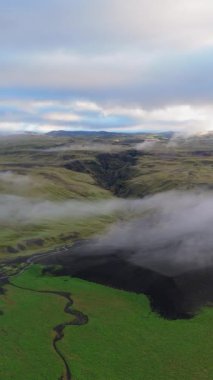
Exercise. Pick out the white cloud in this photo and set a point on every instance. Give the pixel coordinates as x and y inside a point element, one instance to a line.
<point>62,116</point>
<point>87,106</point>
<point>46,116</point>
<point>67,70</point>
<point>165,23</point>
<point>107,24</point>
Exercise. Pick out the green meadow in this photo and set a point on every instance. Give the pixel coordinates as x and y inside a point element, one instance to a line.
<point>123,338</point>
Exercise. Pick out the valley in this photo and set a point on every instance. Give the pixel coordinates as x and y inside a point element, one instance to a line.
<point>99,245</point>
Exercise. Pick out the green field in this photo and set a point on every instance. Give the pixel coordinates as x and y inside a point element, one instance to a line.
<point>122,340</point>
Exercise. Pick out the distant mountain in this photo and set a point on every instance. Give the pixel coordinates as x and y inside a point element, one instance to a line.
<point>81,133</point>
<point>63,133</point>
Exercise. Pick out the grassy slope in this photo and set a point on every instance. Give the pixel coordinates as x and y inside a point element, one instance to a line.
<point>156,173</point>
<point>47,179</point>
<point>123,339</point>
<point>55,183</point>
<point>52,234</point>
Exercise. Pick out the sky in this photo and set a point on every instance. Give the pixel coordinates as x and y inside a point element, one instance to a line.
<point>114,65</point>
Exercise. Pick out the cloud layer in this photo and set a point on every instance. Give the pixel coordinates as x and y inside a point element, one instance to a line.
<point>144,55</point>
<point>44,116</point>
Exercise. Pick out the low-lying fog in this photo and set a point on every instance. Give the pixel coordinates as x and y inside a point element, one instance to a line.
<point>175,235</point>
<point>15,179</point>
<point>171,232</point>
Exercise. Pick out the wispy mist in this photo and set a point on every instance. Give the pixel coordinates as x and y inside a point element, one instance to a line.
<point>169,232</point>
<point>146,145</point>
<point>18,209</point>
<point>15,179</point>
<point>174,235</point>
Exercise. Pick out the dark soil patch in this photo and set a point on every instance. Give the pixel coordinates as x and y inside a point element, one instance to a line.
<point>38,242</point>
<point>11,249</point>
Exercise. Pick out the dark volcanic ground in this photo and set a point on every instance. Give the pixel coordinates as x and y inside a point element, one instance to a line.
<point>173,297</point>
